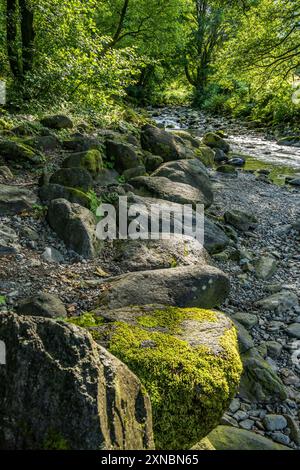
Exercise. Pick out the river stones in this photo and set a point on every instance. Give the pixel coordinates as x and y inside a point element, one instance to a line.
<point>188,361</point>
<point>192,286</point>
<point>60,390</point>
<point>191,172</point>
<point>293,330</point>
<point>229,438</point>
<point>76,226</point>
<point>163,188</point>
<point>15,199</point>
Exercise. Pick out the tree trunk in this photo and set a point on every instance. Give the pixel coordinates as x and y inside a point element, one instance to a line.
<point>28,35</point>
<point>12,32</point>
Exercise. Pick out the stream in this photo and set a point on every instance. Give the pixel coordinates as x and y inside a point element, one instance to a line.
<point>261,152</point>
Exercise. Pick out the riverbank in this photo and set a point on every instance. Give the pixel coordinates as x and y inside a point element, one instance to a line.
<point>260,257</point>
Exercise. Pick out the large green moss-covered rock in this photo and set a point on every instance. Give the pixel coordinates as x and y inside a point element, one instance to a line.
<point>49,192</point>
<point>206,155</point>
<point>215,141</point>
<point>90,160</point>
<point>188,361</point>
<point>229,438</point>
<point>15,151</point>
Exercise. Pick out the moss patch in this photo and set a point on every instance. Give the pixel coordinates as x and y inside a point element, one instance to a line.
<point>171,318</point>
<point>189,387</point>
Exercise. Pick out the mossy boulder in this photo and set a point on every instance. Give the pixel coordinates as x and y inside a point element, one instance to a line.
<point>206,155</point>
<point>215,141</point>
<point>90,160</point>
<point>134,172</point>
<point>49,192</point>
<point>12,150</point>
<point>187,360</point>
<point>229,438</point>
<point>43,142</point>
<point>152,162</point>
<point>58,122</point>
<point>73,178</point>
<point>259,381</point>
<point>124,156</point>
<point>187,137</point>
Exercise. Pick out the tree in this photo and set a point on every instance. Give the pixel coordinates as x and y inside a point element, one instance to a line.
<point>20,37</point>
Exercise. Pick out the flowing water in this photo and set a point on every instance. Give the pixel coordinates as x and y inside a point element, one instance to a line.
<point>261,152</point>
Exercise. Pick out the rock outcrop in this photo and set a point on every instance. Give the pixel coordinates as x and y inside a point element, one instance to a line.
<point>60,390</point>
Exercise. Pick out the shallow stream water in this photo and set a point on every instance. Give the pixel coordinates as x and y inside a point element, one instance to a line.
<point>261,152</point>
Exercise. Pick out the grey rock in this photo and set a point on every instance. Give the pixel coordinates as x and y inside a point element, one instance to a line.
<point>293,330</point>
<point>152,162</point>
<point>274,422</point>
<point>73,178</point>
<point>265,267</point>
<point>281,438</point>
<point>192,286</point>
<point>161,143</point>
<point>274,349</point>
<point>235,405</point>
<point>229,438</point>
<point>248,320</point>
<point>15,199</point>
<point>134,172</point>
<point>240,220</point>
<point>163,188</point>
<point>244,338</point>
<point>58,383</point>
<point>191,172</point>
<point>51,255</point>
<point>215,141</point>
<point>76,226</point>
<point>42,305</point>
<point>247,424</point>
<point>259,382</point>
<point>215,240</point>
<point>142,255</point>
<point>280,302</point>
<point>124,155</point>
<point>7,234</point>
